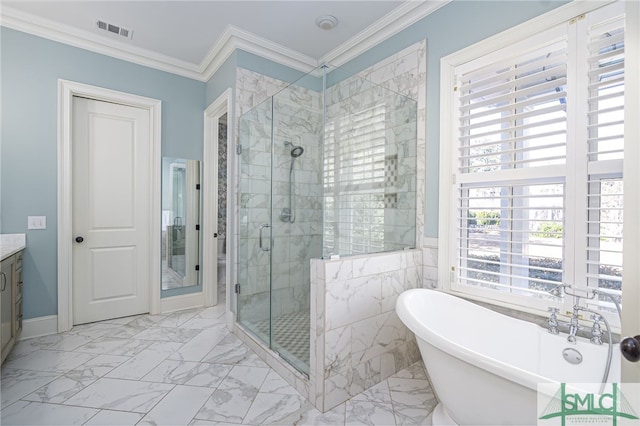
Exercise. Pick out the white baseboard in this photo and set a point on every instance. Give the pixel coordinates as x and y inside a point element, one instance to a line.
<point>179,303</point>
<point>40,326</point>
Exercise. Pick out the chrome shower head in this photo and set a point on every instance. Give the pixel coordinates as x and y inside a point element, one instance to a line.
<point>296,150</point>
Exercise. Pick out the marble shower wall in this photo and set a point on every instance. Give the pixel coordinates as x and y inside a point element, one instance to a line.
<point>357,338</point>
<point>406,73</point>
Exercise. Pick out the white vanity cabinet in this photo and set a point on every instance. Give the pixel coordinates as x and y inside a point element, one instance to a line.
<point>10,301</point>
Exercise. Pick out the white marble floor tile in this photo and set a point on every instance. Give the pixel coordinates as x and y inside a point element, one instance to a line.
<point>378,393</point>
<point>125,331</point>
<point>143,362</point>
<point>312,416</point>
<point>114,418</point>
<point>25,347</point>
<point>17,384</point>
<point>199,422</point>
<point>201,344</point>
<point>115,346</point>
<point>93,330</point>
<point>233,398</point>
<point>412,415</point>
<point>200,323</point>
<point>412,392</point>
<point>146,321</point>
<point>369,413</point>
<point>268,408</point>
<point>177,319</point>
<point>182,368</point>
<point>215,312</point>
<point>37,413</point>
<point>60,389</point>
<point>77,379</point>
<point>59,342</point>
<point>189,373</point>
<point>414,371</point>
<point>122,395</point>
<point>47,360</point>
<point>232,350</point>
<point>178,407</point>
<point>165,334</point>
<point>227,406</point>
<point>413,400</point>
<point>276,384</point>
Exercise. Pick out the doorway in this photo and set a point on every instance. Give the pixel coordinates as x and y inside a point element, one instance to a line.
<point>113,277</point>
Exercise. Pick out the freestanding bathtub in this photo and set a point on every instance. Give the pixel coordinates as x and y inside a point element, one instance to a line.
<point>484,366</point>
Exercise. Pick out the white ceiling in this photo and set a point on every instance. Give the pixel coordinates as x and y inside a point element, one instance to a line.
<point>188,30</point>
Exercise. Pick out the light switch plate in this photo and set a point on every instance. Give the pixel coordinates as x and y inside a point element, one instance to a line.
<point>37,222</point>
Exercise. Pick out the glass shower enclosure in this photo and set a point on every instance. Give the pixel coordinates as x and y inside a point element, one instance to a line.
<point>327,167</point>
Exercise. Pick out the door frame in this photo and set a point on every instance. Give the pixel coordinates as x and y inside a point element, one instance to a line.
<point>631,237</point>
<point>66,91</point>
<point>212,114</point>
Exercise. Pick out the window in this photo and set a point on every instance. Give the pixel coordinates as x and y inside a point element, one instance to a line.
<point>531,191</point>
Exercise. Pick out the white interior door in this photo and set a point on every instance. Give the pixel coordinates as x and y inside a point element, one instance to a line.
<point>111,210</point>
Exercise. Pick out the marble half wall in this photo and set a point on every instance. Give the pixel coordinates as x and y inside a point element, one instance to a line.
<point>357,339</point>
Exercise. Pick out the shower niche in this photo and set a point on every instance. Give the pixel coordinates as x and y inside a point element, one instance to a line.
<point>327,170</point>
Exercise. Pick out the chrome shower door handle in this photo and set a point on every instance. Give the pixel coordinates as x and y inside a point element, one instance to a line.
<point>266,225</point>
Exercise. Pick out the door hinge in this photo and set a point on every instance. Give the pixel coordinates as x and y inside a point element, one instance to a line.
<point>197,267</point>
<point>215,235</point>
<point>197,186</point>
<point>237,288</point>
<point>197,227</point>
<point>238,149</point>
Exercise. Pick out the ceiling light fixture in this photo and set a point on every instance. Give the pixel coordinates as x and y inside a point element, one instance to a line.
<point>326,22</point>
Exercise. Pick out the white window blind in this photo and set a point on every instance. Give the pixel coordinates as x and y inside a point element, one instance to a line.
<point>513,112</point>
<point>354,180</point>
<point>537,164</point>
<point>605,150</point>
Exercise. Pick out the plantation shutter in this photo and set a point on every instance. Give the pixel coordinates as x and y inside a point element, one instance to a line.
<point>539,155</point>
<point>605,150</point>
<point>511,150</point>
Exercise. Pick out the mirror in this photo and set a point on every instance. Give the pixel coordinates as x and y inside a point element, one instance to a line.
<point>180,222</point>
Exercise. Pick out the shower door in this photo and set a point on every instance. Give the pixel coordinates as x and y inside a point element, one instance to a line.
<point>254,202</point>
<point>280,214</point>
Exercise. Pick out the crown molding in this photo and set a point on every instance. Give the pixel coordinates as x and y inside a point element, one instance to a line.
<point>31,24</point>
<point>236,38</point>
<point>392,23</point>
<point>231,39</point>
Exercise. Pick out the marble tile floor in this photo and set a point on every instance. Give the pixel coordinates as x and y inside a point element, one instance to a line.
<point>183,368</point>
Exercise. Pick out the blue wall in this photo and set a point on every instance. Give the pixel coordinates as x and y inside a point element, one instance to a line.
<point>30,69</point>
<point>31,66</point>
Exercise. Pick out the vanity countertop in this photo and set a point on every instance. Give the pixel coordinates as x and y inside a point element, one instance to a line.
<point>10,244</point>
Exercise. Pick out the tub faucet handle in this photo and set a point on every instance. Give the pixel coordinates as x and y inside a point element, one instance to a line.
<point>596,330</point>
<point>553,321</point>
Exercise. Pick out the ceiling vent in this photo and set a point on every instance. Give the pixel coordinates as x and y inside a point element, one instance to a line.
<point>114,29</point>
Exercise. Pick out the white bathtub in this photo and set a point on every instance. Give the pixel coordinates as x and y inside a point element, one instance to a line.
<point>484,366</point>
